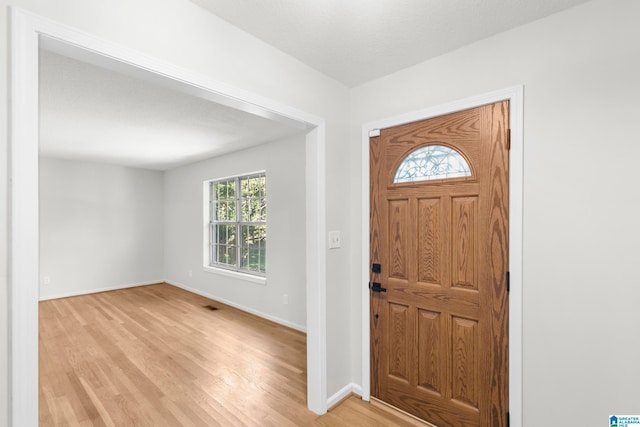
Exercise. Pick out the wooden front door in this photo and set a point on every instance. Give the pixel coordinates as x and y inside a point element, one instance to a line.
<point>439,253</point>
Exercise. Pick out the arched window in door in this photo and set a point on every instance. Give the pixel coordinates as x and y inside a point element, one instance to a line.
<point>432,162</point>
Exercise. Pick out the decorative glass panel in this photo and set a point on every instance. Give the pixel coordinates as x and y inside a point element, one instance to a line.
<point>432,162</point>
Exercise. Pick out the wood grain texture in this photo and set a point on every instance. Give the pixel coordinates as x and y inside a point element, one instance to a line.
<point>431,350</point>
<point>399,357</point>
<point>156,356</point>
<point>451,237</point>
<point>430,240</point>
<point>465,361</point>
<point>376,303</point>
<point>464,242</point>
<point>399,240</point>
<point>496,208</point>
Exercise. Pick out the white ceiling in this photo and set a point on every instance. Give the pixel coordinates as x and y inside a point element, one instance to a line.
<point>355,41</point>
<point>90,113</point>
<point>94,114</point>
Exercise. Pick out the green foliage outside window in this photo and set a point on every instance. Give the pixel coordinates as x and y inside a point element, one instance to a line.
<point>238,237</point>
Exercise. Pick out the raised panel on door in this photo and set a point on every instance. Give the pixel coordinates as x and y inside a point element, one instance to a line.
<point>431,351</point>
<point>464,242</point>
<point>399,342</point>
<point>465,361</point>
<point>430,241</point>
<point>398,235</point>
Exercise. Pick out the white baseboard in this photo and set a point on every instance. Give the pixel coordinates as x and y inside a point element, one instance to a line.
<point>98,290</point>
<point>239,306</point>
<point>344,392</point>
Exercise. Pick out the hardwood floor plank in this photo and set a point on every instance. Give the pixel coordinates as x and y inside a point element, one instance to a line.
<point>156,356</point>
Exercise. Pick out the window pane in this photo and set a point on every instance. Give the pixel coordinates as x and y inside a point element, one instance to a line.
<point>254,247</point>
<point>220,235</point>
<point>253,236</point>
<point>254,199</point>
<point>246,210</point>
<point>224,205</point>
<point>220,211</point>
<point>251,259</point>
<point>253,187</point>
<point>244,262</point>
<point>263,186</point>
<point>226,254</point>
<point>432,162</point>
<point>254,210</point>
<point>225,234</point>
<point>231,210</point>
<point>220,191</point>
<point>254,259</point>
<point>221,251</point>
<point>223,192</point>
<point>231,255</point>
<point>226,244</point>
<point>263,258</point>
<point>229,190</point>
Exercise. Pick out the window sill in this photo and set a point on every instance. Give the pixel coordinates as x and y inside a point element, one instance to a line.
<point>236,275</point>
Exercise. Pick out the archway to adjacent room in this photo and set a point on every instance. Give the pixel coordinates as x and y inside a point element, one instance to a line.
<point>28,33</point>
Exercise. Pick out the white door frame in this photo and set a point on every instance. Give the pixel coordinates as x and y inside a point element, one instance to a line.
<point>516,97</point>
<point>28,31</point>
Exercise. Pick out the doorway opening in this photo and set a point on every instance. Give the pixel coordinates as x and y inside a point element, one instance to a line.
<point>27,33</point>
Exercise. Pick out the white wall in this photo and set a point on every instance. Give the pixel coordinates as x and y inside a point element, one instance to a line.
<point>581,288</point>
<point>284,163</point>
<point>4,224</point>
<point>101,227</point>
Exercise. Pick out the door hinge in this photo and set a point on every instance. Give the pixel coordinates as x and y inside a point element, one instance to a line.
<point>374,132</point>
<point>508,139</point>
<point>508,419</point>
<point>508,282</point>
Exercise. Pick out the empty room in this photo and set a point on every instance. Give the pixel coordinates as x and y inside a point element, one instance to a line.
<point>130,173</point>
<point>331,213</point>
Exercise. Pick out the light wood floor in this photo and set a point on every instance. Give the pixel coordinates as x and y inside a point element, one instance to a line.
<point>157,356</point>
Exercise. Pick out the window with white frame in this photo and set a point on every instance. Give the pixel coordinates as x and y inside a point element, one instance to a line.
<point>238,223</point>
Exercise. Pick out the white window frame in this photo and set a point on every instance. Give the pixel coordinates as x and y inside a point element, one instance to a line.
<point>210,263</point>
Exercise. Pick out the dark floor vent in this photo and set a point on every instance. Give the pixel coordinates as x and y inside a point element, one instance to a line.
<point>210,307</point>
